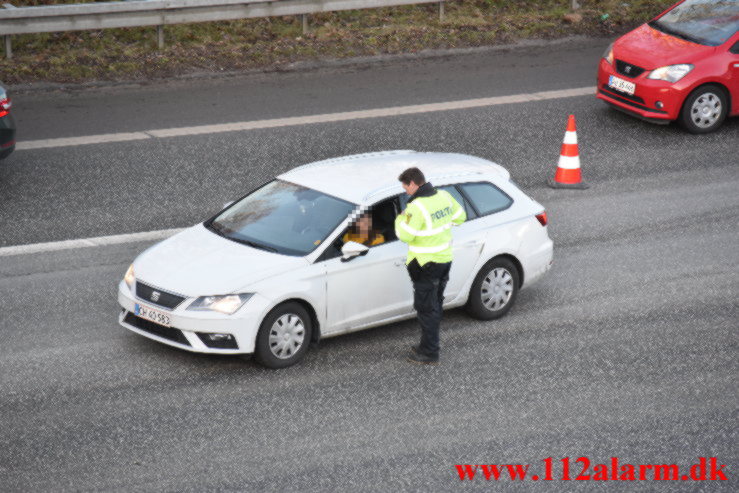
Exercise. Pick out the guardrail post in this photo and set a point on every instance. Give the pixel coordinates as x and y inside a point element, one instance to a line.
<point>8,47</point>
<point>441,11</point>
<point>304,19</point>
<point>160,37</point>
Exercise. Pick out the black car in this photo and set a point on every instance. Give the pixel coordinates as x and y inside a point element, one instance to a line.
<point>7,125</point>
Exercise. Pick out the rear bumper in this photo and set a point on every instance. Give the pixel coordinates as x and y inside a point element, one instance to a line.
<point>538,263</point>
<point>7,136</point>
<point>7,151</point>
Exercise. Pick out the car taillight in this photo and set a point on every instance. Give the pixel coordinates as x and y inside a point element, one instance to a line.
<point>5,105</point>
<point>542,218</point>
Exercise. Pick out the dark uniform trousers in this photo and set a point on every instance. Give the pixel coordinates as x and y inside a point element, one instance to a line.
<point>429,282</point>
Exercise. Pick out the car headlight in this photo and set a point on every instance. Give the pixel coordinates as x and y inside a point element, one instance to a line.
<point>608,54</point>
<point>129,277</point>
<point>671,73</point>
<point>227,304</point>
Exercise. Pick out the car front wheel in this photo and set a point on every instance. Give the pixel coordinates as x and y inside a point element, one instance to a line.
<point>284,336</point>
<point>494,290</point>
<point>704,109</point>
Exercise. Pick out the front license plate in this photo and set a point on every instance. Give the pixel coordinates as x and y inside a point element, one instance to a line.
<point>622,85</point>
<point>154,315</point>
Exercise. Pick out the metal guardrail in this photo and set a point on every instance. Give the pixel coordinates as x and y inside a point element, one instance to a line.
<point>159,13</point>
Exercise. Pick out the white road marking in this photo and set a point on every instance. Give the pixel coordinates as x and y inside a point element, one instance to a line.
<point>304,120</point>
<point>251,125</point>
<point>78,141</point>
<point>54,246</point>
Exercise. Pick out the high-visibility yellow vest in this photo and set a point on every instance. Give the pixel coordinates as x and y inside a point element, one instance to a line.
<point>426,226</point>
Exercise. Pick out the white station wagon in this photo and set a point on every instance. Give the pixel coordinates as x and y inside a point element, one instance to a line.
<point>271,272</point>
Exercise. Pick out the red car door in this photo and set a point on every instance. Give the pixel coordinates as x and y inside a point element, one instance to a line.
<point>732,60</point>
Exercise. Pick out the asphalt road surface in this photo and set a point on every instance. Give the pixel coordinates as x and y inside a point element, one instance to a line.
<point>627,349</point>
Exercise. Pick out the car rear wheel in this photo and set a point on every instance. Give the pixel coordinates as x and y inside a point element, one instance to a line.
<point>284,336</point>
<point>704,109</point>
<point>494,290</point>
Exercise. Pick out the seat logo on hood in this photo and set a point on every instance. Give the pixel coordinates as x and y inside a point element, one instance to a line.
<point>155,296</point>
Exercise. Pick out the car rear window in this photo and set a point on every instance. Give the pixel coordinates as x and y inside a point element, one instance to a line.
<point>487,198</point>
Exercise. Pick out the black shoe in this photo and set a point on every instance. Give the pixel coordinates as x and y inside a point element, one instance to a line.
<point>423,359</point>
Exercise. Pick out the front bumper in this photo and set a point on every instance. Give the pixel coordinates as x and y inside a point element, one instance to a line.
<point>644,102</point>
<point>188,328</point>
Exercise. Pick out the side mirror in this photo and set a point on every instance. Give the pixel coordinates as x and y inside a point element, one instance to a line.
<point>227,204</point>
<point>352,249</point>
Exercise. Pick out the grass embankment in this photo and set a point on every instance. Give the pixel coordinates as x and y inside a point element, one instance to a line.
<point>131,53</point>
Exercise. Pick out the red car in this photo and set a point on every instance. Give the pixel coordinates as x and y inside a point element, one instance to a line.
<point>683,65</point>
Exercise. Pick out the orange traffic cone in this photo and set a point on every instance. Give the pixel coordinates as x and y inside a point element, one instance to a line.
<point>568,173</point>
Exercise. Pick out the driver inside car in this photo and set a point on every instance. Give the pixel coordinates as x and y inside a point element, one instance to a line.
<point>363,232</point>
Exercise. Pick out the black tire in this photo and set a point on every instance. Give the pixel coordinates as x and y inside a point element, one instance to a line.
<point>508,277</point>
<point>704,99</point>
<point>268,352</point>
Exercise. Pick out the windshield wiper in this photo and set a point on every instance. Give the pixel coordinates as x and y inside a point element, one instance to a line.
<point>254,244</point>
<point>217,229</point>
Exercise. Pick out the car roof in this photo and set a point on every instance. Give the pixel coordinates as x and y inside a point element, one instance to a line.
<point>359,177</point>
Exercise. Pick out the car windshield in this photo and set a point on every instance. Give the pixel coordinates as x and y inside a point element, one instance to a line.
<point>707,22</point>
<point>282,217</point>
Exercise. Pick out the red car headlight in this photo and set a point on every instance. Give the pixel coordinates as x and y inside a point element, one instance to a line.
<point>671,73</point>
<point>608,54</point>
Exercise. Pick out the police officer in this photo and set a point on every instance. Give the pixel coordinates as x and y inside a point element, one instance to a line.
<point>426,225</point>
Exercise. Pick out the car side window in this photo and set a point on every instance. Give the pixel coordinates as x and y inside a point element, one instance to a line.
<point>735,49</point>
<point>486,198</point>
<point>471,214</point>
<point>452,189</point>
<point>382,228</point>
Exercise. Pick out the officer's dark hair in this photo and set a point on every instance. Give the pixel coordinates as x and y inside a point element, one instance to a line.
<point>414,175</point>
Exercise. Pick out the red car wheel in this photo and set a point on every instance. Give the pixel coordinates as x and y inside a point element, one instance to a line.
<point>704,109</point>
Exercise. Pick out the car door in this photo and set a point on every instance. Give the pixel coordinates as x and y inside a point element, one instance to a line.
<point>369,288</point>
<point>467,242</point>
<point>733,59</point>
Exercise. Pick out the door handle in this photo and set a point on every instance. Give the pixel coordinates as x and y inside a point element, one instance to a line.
<point>398,263</point>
